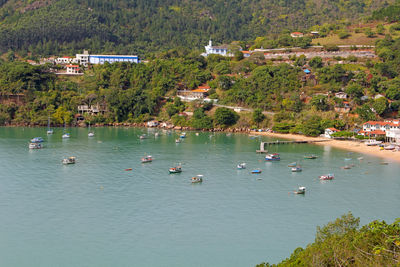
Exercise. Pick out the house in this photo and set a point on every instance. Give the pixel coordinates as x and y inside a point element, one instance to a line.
<point>222,50</point>
<point>297,34</point>
<point>73,69</point>
<point>198,93</point>
<point>153,123</point>
<point>101,59</point>
<point>315,34</point>
<point>64,60</point>
<point>380,128</point>
<point>92,109</point>
<point>345,108</point>
<point>307,71</point>
<point>246,53</point>
<point>341,95</point>
<point>330,131</point>
<point>393,135</point>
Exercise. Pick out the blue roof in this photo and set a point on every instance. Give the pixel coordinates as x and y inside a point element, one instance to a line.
<point>307,71</point>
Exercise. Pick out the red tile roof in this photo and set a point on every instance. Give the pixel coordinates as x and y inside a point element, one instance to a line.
<point>333,129</point>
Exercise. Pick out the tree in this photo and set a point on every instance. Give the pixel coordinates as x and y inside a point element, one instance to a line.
<point>238,55</point>
<point>225,117</point>
<point>380,105</point>
<point>258,116</point>
<point>316,62</point>
<point>320,102</point>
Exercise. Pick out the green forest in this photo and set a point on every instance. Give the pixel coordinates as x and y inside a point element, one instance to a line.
<point>344,243</point>
<point>51,27</point>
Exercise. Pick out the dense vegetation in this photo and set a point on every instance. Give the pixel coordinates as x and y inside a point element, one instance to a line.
<point>344,243</point>
<point>49,27</point>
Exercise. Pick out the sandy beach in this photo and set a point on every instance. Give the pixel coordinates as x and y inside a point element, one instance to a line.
<point>347,145</point>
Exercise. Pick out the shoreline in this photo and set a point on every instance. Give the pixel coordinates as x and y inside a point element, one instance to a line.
<point>345,145</point>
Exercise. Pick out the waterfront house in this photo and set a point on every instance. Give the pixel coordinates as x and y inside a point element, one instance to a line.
<point>329,131</point>
<point>386,128</point>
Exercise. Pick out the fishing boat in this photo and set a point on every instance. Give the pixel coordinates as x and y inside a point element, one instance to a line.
<point>49,131</point>
<point>37,140</point>
<point>389,147</point>
<point>241,166</point>
<point>35,146</point>
<point>256,171</point>
<point>177,169</point>
<point>300,191</point>
<point>373,143</point>
<point>70,160</point>
<point>272,157</point>
<point>90,134</point>
<point>147,159</point>
<point>297,169</point>
<point>310,157</point>
<point>183,135</point>
<point>177,141</point>
<point>197,179</point>
<point>327,177</point>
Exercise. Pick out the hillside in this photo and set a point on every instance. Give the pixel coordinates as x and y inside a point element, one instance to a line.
<point>140,26</point>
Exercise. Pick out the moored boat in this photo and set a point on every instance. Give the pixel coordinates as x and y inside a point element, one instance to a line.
<point>183,135</point>
<point>37,140</point>
<point>347,167</point>
<point>389,147</point>
<point>197,179</point>
<point>66,135</point>
<point>327,177</point>
<point>293,164</point>
<point>91,134</point>
<point>70,160</point>
<point>147,158</point>
<point>300,191</point>
<point>143,136</point>
<point>272,157</point>
<point>297,169</point>
<point>241,166</point>
<point>177,169</point>
<point>177,140</point>
<point>310,157</point>
<point>35,145</point>
<point>373,143</point>
<point>256,171</point>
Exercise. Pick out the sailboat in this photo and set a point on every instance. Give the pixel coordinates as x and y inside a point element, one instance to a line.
<point>49,131</point>
<point>90,134</point>
<point>65,135</point>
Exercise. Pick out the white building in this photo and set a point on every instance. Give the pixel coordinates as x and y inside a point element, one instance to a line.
<point>222,50</point>
<point>341,95</point>
<point>64,60</point>
<point>83,59</point>
<point>73,69</point>
<point>330,131</point>
<point>393,135</point>
<point>380,128</point>
<point>101,59</point>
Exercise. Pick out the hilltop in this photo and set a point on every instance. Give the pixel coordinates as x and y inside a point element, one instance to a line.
<point>141,26</point>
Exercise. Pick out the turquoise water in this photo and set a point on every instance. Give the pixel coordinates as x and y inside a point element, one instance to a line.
<point>94,213</point>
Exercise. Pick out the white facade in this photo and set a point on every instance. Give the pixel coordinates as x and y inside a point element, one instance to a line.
<point>341,95</point>
<point>329,131</point>
<point>217,50</point>
<point>101,59</point>
<point>73,69</point>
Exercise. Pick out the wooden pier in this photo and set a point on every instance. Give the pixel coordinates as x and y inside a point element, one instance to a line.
<point>279,142</point>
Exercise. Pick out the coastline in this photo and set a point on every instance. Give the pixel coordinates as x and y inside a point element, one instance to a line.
<point>345,144</point>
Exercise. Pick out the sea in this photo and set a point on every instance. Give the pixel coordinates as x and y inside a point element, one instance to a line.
<point>97,213</point>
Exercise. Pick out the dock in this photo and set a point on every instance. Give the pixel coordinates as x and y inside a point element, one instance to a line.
<point>279,142</point>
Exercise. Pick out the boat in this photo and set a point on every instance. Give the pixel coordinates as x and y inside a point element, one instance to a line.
<point>177,141</point>
<point>389,147</point>
<point>241,166</point>
<point>347,159</point>
<point>147,159</point>
<point>297,169</point>
<point>35,146</point>
<point>256,171</point>
<point>177,169</point>
<point>70,160</point>
<point>66,135</point>
<point>49,131</point>
<point>293,164</point>
<point>327,177</point>
<point>90,134</point>
<point>197,134</point>
<point>183,135</point>
<point>156,134</point>
<point>360,158</point>
<point>143,136</point>
<point>347,167</point>
<point>272,157</point>
<point>197,179</point>
<point>373,143</point>
<point>300,191</point>
<point>37,140</point>
<point>129,169</point>
<point>311,157</point>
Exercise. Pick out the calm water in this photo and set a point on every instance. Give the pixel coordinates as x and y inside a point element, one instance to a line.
<point>94,213</point>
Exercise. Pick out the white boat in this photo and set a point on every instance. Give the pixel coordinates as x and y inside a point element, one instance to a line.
<point>389,147</point>
<point>70,160</point>
<point>147,159</point>
<point>293,164</point>
<point>66,135</point>
<point>197,134</point>
<point>297,169</point>
<point>35,146</point>
<point>49,131</point>
<point>183,135</point>
<point>373,143</point>
<point>143,136</point>
<point>241,166</point>
<point>90,134</point>
<point>327,177</point>
<point>156,135</point>
<point>37,140</point>
<point>301,190</point>
<point>177,140</point>
<point>272,157</point>
<point>197,179</point>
